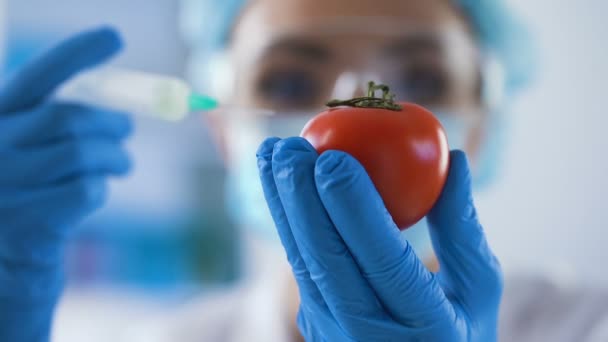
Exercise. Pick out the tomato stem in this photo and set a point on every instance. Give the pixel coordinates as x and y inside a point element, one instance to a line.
<point>387,101</point>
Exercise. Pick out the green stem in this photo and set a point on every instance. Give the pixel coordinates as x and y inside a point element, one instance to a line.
<point>387,101</point>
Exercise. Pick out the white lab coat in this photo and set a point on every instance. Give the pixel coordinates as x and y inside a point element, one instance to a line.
<point>532,309</point>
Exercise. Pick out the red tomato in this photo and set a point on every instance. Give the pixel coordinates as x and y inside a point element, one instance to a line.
<point>404,152</point>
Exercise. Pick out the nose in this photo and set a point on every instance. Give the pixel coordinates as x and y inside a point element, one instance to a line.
<point>346,86</point>
<point>360,91</point>
<point>350,85</point>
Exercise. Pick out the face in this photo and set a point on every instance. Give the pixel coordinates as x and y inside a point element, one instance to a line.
<point>292,56</point>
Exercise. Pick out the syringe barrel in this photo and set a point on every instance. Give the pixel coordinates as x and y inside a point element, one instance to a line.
<point>131,91</point>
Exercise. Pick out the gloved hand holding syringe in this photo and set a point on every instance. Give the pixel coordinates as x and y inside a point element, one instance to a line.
<point>164,97</point>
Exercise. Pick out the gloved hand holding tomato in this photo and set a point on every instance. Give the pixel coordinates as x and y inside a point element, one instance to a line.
<point>358,279</point>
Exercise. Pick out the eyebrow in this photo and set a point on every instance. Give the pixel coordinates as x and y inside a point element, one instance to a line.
<point>414,45</point>
<point>300,48</point>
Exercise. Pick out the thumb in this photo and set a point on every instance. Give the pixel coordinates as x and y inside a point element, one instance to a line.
<point>37,80</point>
<point>469,271</point>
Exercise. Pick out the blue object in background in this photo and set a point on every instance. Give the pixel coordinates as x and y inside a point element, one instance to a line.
<point>166,254</point>
<point>136,252</point>
<point>156,246</point>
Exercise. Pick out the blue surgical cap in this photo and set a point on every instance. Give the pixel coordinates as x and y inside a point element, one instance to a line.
<point>207,24</point>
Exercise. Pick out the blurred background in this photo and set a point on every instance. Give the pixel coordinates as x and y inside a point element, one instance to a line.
<point>547,213</point>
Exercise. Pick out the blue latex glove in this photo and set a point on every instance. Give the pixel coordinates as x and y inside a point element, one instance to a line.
<point>54,161</point>
<point>358,280</point>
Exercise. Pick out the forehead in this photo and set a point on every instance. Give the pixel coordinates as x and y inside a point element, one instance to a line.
<point>287,14</point>
<point>269,26</point>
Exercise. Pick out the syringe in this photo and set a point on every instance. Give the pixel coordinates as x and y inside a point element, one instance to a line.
<point>137,92</point>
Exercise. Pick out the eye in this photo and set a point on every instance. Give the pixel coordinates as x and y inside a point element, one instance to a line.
<point>423,85</point>
<point>289,89</point>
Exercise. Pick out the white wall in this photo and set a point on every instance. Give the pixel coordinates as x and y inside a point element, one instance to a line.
<point>551,211</point>
<point>149,28</point>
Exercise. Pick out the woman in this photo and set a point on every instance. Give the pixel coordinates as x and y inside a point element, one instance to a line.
<point>458,58</point>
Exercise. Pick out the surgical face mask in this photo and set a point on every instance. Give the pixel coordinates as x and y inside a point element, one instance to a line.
<point>457,128</point>
<point>245,196</point>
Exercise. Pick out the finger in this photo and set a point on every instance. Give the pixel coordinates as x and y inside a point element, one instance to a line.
<point>50,213</point>
<point>68,158</point>
<point>318,326</point>
<point>63,120</point>
<point>469,271</point>
<point>404,286</point>
<point>310,297</point>
<point>308,289</point>
<point>40,78</point>
<point>329,262</point>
